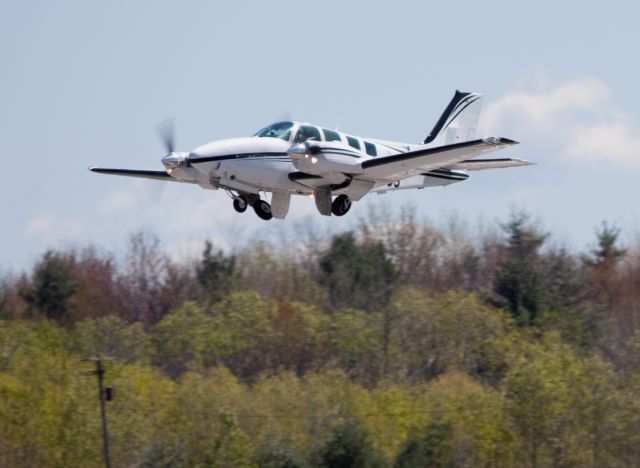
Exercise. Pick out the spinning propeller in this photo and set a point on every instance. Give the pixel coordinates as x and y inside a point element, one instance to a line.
<point>166,132</point>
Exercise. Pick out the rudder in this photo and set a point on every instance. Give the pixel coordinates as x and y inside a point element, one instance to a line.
<point>458,122</point>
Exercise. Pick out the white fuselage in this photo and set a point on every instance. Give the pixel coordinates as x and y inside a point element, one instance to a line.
<point>257,164</point>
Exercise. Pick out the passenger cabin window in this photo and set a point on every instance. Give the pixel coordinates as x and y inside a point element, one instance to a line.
<point>330,135</point>
<point>370,148</point>
<point>305,133</point>
<point>353,142</point>
<point>280,130</point>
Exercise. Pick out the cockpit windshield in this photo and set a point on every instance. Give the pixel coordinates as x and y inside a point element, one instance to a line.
<point>280,130</point>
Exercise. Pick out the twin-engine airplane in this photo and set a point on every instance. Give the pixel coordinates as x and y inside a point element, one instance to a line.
<point>291,158</point>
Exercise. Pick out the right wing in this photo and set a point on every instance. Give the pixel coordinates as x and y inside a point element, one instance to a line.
<point>399,166</point>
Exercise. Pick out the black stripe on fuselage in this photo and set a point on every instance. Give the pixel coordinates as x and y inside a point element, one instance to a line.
<point>342,153</point>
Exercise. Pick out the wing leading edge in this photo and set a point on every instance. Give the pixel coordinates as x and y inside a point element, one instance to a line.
<point>141,174</point>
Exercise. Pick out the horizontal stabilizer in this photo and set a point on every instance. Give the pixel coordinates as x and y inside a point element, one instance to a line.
<point>480,164</point>
<point>156,175</point>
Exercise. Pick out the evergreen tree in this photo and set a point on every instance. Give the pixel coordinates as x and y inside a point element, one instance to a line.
<point>520,282</point>
<point>216,274</point>
<point>607,253</point>
<point>51,287</point>
<point>349,448</point>
<point>358,276</point>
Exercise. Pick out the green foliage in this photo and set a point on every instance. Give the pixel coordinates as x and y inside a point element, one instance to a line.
<point>246,322</point>
<point>451,331</point>
<point>111,336</point>
<point>519,281</point>
<point>607,253</point>
<point>433,449</point>
<point>353,340</point>
<point>186,336</point>
<point>51,288</point>
<point>547,389</point>
<point>216,274</point>
<point>406,345</point>
<point>348,447</point>
<point>357,276</point>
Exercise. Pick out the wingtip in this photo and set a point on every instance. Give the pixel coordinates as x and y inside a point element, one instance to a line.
<point>500,141</point>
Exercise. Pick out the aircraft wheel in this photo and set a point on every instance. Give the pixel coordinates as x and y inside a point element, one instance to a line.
<point>240,204</point>
<point>341,205</point>
<point>262,209</point>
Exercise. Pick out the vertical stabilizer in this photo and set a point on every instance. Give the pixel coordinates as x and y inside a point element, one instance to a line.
<point>458,122</point>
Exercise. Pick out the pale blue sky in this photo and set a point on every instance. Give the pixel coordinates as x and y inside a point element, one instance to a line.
<point>84,83</point>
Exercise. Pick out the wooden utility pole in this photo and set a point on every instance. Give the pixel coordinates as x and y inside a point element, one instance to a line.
<point>102,393</point>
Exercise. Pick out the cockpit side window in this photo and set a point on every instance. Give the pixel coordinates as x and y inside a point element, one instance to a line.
<point>353,142</point>
<point>330,135</point>
<point>305,132</point>
<point>280,130</point>
<point>370,148</point>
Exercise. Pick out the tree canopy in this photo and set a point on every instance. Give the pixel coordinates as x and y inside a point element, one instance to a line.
<point>399,343</point>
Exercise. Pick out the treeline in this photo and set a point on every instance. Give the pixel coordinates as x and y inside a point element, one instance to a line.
<point>399,343</point>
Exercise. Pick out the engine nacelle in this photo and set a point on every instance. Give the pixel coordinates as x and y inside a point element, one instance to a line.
<point>325,157</point>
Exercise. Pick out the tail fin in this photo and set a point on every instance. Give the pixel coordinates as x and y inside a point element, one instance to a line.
<point>459,121</point>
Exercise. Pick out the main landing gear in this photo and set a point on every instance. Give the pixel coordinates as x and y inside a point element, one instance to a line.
<point>261,207</point>
<point>240,204</point>
<point>341,205</point>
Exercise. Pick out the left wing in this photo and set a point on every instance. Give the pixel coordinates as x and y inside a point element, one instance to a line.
<point>399,166</point>
<point>156,175</point>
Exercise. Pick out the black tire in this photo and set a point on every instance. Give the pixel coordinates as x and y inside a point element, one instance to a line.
<point>263,210</point>
<point>240,204</point>
<point>341,205</point>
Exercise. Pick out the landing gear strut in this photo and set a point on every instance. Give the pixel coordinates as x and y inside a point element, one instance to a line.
<point>262,209</point>
<point>340,205</point>
<point>240,204</point>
